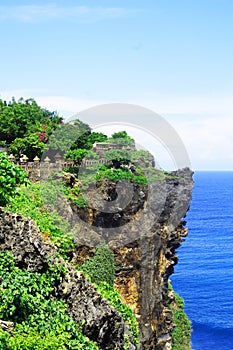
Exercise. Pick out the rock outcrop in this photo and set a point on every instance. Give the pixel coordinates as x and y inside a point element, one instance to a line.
<point>144,236</point>
<point>104,324</point>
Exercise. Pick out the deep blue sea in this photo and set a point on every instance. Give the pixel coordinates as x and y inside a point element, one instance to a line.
<point>204,274</point>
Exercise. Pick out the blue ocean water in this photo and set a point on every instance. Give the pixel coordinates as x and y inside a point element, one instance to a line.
<point>204,274</point>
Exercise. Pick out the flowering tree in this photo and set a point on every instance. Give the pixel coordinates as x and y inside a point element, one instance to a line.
<point>26,126</point>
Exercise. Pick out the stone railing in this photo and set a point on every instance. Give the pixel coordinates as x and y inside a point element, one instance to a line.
<point>6,326</point>
<point>41,170</point>
<point>101,147</point>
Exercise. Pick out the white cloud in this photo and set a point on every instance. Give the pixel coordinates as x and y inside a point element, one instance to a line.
<point>208,140</point>
<point>190,104</point>
<point>38,13</point>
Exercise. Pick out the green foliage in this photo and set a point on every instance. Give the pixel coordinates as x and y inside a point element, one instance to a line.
<point>118,156</point>
<point>2,143</point>
<point>182,332</point>
<point>87,139</point>
<point>40,322</point>
<point>80,201</point>
<point>35,341</point>
<point>120,174</point>
<point>101,267</point>
<point>86,175</point>
<point>33,202</point>
<point>120,135</point>
<point>122,138</point>
<point>78,154</point>
<point>75,196</point>
<point>141,155</point>
<point>66,135</point>
<point>30,145</point>
<point>114,298</point>
<point>85,131</point>
<point>17,119</point>
<point>92,155</point>
<point>11,177</point>
<point>74,136</point>
<point>96,137</point>
<point>127,344</point>
<point>101,270</point>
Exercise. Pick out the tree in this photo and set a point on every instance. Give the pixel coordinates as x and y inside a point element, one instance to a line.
<point>69,136</point>
<point>122,138</point>
<point>19,119</point>
<point>30,145</point>
<point>78,154</point>
<point>96,137</point>
<point>118,156</point>
<point>87,138</point>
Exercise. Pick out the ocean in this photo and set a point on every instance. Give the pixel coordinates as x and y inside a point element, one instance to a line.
<point>204,274</point>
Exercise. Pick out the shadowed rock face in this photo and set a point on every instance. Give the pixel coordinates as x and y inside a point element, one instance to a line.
<point>144,236</point>
<point>149,261</point>
<point>104,324</point>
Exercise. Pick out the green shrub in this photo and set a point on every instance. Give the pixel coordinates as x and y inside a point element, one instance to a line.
<point>127,344</point>
<point>30,145</point>
<point>114,298</point>
<point>101,270</point>
<point>33,202</point>
<point>76,154</point>
<point>75,196</point>
<point>65,136</point>
<point>49,341</point>
<point>120,174</point>
<point>182,332</point>
<point>32,341</point>
<point>141,154</point>
<point>11,176</point>
<point>101,267</point>
<point>41,322</point>
<point>118,155</point>
<point>2,143</point>
<point>121,138</point>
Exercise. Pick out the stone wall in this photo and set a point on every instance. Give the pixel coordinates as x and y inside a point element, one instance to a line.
<point>42,170</point>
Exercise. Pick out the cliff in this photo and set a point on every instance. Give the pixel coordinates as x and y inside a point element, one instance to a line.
<point>143,227</point>
<point>144,237</point>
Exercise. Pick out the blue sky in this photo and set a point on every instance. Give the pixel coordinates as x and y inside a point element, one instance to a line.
<point>174,57</point>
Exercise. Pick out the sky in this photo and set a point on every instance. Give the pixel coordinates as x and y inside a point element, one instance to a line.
<point>174,57</point>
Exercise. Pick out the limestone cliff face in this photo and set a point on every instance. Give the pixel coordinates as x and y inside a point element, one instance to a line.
<point>144,227</point>
<point>144,237</point>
